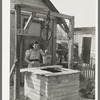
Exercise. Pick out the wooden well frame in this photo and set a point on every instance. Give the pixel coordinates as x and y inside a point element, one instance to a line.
<point>18,36</point>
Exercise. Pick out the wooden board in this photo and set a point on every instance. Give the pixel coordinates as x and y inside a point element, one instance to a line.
<point>66,98</point>
<point>54,35</point>
<point>33,3</point>
<point>44,85</point>
<point>50,95</point>
<point>50,86</point>
<point>39,71</point>
<point>34,91</point>
<point>53,82</point>
<point>70,44</point>
<point>51,91</point>
<point>62,96</point>
<point>34,96</point>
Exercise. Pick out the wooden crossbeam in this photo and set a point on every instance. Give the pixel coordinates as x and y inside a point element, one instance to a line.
<point>12,69</point>
<point>28,23</point>
<point>26,13</point>
<point>41,11</point>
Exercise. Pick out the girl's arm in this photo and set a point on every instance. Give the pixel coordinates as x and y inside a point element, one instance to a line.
<point>43,53</point>
<point>27,54</point>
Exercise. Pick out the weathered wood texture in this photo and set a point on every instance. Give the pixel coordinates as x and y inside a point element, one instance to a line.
<point>59,87</point>
<point>33,3</point>
<point>70,44</point>
<point>54,35</point>
<point>17,54</point>
<point>80,33</point>
<point>45,12</point>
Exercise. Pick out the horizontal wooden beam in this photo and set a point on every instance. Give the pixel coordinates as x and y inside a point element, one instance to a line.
<point>26,13</point>
<point>41,11</point>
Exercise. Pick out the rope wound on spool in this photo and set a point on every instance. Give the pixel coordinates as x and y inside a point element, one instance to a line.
<point>46,32</point>
<point>48,19</point>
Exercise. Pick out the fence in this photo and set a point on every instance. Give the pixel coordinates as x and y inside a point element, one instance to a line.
<point>88,70</point>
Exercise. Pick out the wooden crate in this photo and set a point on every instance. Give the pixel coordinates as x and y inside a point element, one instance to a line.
<point>45,85</point>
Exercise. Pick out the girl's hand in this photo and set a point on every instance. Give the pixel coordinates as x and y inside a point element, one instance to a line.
<point>32,62</point>
<point>46,51</point>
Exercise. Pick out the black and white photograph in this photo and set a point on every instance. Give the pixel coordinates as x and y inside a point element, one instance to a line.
<point>52,50</point>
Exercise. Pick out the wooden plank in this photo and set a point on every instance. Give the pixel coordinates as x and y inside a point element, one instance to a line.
<point>41,11</point>
<point>67,97</point>
<point>12,70</point>
<point>69,77</point>
<point>28,23</point>
<point>49,74</point>
<point>17,56</point>
<point>39,89</point>
<point>62,95</point>
<point>38,68</point>
<point>70,44</point>
<point>34,96</point>
<point>36,2</point>
<point>39,85</point>
<point>35,91</point>
<point>57,81</point>
<point>36,77</point>
<point>21,57</point>
<point>61,73</point>
<point>47,93</point>
<point>87,71</point>
<point>54,35</point>
<point>53,79</point>
<point>51,97</point>
<point>25,13</point>
<point>67,89</point>
<point>52,85</point>
<point>62,78</point>
<point>33,5</point>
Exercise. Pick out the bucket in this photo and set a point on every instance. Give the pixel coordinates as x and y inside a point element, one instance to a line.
<point>47,59</point>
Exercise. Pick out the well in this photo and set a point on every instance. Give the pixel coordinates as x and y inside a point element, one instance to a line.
<point>51,83</point>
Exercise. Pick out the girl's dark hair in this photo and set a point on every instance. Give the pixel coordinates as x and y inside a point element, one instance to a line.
<point>35,42</point>
<point>31,45</point>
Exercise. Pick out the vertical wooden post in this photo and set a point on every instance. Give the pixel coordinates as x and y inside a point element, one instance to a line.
<point>70,44</point>
<point>54,33</point>
<point>17,54</point>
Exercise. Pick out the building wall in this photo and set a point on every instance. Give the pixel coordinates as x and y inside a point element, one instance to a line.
<point>78,38</point>
<point>33,3</point>
<point>93,46</point>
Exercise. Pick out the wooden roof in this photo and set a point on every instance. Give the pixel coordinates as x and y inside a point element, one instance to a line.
<point>85,29</point>
<point>42,4</point>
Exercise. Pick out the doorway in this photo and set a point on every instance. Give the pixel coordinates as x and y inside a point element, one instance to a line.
<point>86,49</point>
